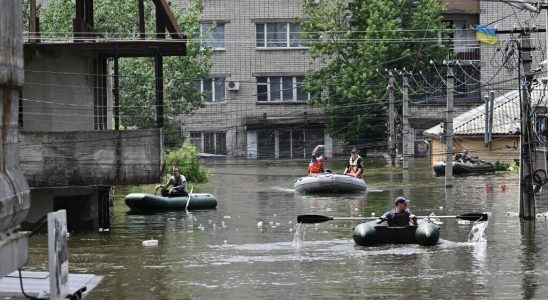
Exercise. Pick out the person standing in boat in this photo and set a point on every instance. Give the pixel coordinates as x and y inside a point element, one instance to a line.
<point>315,166</point>
<point>177,183</point>
<point>400,215</point>
<point>355,165</point>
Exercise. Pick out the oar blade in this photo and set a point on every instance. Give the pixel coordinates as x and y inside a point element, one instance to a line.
<point>312,219</point>
<point>474,217</point>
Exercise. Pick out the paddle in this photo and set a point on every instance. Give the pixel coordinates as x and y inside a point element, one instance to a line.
<point>312,219</point>
<point>188,200</point>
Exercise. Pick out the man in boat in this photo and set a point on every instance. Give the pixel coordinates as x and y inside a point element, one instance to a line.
<point>354,167</point>
<point>400,215</point>
<point>177,183</point>
<point>316,162</point>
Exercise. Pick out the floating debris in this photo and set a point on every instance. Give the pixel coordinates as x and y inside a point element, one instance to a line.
<point>260,224</point>
<point>150,243</point>
<point>226,217</point>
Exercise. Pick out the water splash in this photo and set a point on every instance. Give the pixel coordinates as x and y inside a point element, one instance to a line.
<point>298,236</point>
<point>477,233</point>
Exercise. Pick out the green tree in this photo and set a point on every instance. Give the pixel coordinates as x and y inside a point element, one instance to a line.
<point>187,159</point>
<point>182,74</point>
<point>351,40</point>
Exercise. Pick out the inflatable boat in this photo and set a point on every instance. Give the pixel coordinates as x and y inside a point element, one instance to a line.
<point>149,202</point>
<point>460,168</point>
<point>425,233</point>
<point>330,183</point>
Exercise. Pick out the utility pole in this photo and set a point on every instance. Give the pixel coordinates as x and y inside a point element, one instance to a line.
<point>14,189</point>
<point>391,120</point>
<point>491,113</point>
<point>527,195</point>
<point>486,125</point>
<point>449,127</point>
<point>405,115</point>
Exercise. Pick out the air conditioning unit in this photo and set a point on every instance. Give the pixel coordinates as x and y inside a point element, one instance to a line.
<point>233,85</point>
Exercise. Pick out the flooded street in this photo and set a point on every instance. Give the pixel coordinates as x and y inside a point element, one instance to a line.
<point>250,248</point>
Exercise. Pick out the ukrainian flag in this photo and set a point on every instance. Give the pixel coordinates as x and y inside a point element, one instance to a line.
<point>486,35</point>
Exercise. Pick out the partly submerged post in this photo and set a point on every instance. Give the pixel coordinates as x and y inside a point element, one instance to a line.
<point>449,128</point>
<point>527,194</point>
<point>405,117</point>
<point>14,190</point>
<point>391,121</point>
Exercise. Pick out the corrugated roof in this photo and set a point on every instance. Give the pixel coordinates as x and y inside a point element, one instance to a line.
<point>506,118</point>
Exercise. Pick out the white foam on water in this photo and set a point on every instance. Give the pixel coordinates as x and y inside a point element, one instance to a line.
<point>283,189</point>
<point>298,236</point>
<point>477,233</point>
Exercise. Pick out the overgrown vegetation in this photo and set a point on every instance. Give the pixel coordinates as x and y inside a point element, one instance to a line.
<point>502,166</point>
<point>350,41</point>
<point>187,158</point>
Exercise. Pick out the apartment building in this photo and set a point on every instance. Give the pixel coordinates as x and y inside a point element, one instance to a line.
<point>499,63</point>
<point>255,105</point>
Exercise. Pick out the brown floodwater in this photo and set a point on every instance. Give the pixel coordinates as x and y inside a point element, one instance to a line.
<point>250,247</point>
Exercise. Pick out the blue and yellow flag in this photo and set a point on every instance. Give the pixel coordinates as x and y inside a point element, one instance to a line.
<point>486,35</point>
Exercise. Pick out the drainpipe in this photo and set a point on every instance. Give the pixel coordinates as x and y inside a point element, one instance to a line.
<point>14,189</point>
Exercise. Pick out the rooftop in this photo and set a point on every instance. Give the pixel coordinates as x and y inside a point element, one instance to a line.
<point>506,118</point>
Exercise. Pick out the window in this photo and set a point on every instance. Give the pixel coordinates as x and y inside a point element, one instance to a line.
<point>281,88</point>
<point>212,35</point>
<point>213,89</point>
<point>279,35</point>
<point>464,39</point>
<point>209,142</point>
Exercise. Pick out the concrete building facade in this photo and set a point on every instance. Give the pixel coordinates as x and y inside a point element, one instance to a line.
<point>69,151</point>
<point>499,76</point>
<point>256,106</point>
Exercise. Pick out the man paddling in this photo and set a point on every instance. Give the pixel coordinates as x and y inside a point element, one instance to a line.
<point>400,215</point>
<point>178,183</point>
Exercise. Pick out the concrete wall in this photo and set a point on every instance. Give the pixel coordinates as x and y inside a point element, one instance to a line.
<point>502,148</point>
<point>80,203</point>
<point>59,89</point>
<point>50,159</point>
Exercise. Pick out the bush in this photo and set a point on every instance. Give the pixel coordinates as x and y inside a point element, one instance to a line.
<point>188,160</point>
<point>501,166</point>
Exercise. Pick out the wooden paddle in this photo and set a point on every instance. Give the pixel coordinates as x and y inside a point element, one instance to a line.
<point>312,219</point>
<point>188,200</point>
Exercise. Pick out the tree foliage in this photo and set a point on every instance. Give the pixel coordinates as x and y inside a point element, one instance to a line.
<point>187,159</point>
<point>182,74</point>
<point>351,40</point>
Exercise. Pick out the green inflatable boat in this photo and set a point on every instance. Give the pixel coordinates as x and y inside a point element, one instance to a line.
<point>425,233</point>
<point>149,202</point>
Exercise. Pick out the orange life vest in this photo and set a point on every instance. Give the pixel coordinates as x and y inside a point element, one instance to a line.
<point>315,168</point>
<point>353,167</point>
